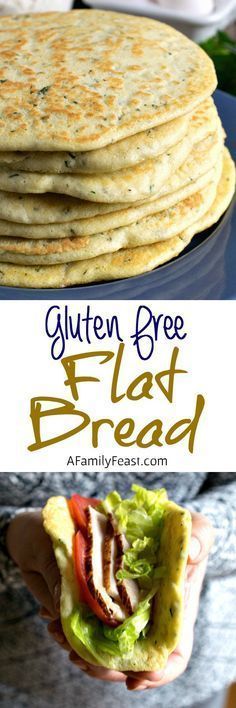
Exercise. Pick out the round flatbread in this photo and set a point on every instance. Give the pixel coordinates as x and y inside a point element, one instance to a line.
<point>125,153</point>
<point>107,222</point>
<point>71,217</point>
<point>125,186</point>
<point>117,156</point>
<point>127,262</point>
<point>128,185</point>
<point>87,78</point>
<point>159,227</point>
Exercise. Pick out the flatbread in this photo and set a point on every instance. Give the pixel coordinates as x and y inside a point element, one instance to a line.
<point>224,195</point>
<point>84,79</point>
<point>126,153</point>
<point>158,227</point>
<point>128,185</point>
<point>127,262</point>
<point>51,208</point>
<point>151,653</point>
<point>107,222</point>
<point>202,157</point>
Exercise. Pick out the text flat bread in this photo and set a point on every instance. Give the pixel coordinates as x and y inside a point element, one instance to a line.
<point>52,208</point>
<point>127,262</point>
<point>84,79</point>
<point>126,153</point>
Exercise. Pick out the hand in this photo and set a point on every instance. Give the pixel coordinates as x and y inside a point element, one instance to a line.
<point>201,541</point>
<point>31,549</point>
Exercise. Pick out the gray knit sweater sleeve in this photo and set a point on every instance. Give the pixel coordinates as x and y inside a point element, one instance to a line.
<point>216,498</point>
<point>217,501</point>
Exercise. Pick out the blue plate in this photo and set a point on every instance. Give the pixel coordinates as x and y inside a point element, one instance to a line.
<point>206,269</point>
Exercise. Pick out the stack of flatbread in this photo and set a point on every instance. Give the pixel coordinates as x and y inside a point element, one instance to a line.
<point>112,153</point>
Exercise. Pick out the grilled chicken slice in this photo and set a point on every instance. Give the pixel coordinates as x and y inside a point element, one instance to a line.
<point>109,562</point>
<point>96,529</point>
<point>128,589</point>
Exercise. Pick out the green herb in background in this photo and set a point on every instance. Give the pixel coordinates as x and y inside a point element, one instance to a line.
<point>222,50</point>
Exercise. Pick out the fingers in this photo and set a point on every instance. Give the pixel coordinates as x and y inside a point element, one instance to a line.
<point>52,578</point>
<point>32,550</point>
<point>193,586</point>
<point>136,685</point>
<point>175,666</point>
<point>146,675</point>
<point>97,672</point>
<point>39,588</point>
<point>43,561</point>
<point>179,659</point>
<point>44,614</point>
<point>56,632</point>
<point>202,538</point>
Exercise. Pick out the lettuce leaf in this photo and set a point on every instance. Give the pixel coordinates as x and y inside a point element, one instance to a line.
<point>97,637</point>
<point>139,516</point>
<point>140,563</point>
<point>140,519</point>
<point>109,504</point>
<point>89,630</point>
<point>132,628</point>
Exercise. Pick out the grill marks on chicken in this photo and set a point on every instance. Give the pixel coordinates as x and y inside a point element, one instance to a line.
<point>109,562</point>
<point>96,529</point>
<point>105,555</point>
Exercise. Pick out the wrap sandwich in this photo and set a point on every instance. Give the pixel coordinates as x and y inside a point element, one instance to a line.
<point>122,566</point>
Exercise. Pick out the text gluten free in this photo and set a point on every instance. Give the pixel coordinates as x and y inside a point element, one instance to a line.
<point>88,326</point>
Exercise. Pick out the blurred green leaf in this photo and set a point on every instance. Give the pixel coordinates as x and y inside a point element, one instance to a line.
<point>222,50</point>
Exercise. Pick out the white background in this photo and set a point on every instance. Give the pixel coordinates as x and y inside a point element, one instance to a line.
<point>28,370</point>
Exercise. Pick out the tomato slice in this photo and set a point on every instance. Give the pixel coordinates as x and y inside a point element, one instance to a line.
<point>77,506</point>
<point>80,545</point>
